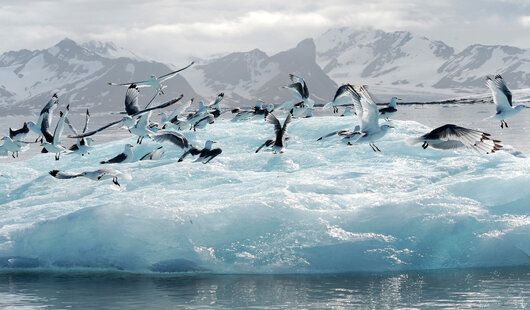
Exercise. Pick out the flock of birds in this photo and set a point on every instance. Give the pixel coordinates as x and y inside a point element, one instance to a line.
<point>356,100</point>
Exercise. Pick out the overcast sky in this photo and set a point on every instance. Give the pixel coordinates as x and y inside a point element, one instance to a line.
<point>173,30</point>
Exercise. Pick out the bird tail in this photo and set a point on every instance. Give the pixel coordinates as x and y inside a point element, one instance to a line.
<point>54,173</point>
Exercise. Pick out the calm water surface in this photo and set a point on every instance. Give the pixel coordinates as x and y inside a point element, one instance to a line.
<point>507,288</point>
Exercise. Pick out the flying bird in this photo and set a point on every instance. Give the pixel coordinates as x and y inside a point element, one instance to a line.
<point>448,137</point>
<point>43,124</point>
<point>55,146</point>
<point>502,97</point>
<point>342,98</point>
<point>299,91</point>
<point>127,121</point>
<point>278,144</point>
<point>19,134</point>
<point>154,81</point>
<point>258,110</point>
<point>172,137</point>
<point>205,155</point>
<point>82,146</point>
<point>97,175</point>
<point>369,128</point>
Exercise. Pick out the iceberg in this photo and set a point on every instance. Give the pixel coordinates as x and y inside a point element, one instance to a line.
<point>322,206</point>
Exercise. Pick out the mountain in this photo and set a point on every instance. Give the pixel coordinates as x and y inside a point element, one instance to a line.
<point>415,66</point>
<point>79,73</point>
<point>246,76</point>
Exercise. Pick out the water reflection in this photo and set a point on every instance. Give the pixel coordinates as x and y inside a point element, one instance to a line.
<point>497,288</point>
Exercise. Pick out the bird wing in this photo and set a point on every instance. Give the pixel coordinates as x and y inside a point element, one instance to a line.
<point>470,138</point>
<point>370,113</point>
<point>116,159</point>
<point>50,106</point>
<point>172,137</point>
<point>217,100</point>
<point>87,120</point>
<point>502,96</point>
<point>59,129</point>
<point>169,75</point>
<point>64,175</point>
<point>297,89</point>
<point>179,110</point>
<point>131,100</point>
<point>72,128</point>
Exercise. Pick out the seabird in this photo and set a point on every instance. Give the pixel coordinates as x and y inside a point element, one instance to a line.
<point>97,175</point>
<point>173,118</point>
<point>153,81</point>
<point>128,121</point>
<point>83,145</point>
<point>355,98</point>
<point>13,146</point>
<point>42,127</point>
<point>173,137</point>
<point>259,109</point>
<point>215,106</point>
<point>19,134</point>
<point>278,144</point>
<point>55,146</point>
<point>502,97</point>
<point>390,109</point>
<point>205,155</point>
<point>300,92</point>
<point>369,129</point>
<point>126,157</point>
<point>342,98</point>
<point>154,154</point>
<point>451,136</point>
<point>199,118</point>
<point>141,128</point>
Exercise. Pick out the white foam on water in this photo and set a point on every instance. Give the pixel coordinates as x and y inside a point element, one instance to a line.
<point>321,206</point>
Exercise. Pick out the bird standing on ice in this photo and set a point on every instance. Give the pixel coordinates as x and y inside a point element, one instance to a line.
<point>448,137</point>
<point>388,111</point>
<point>278,144</point>
<point>502,97</point>
<point>97,175</point>
<point>126,157</point>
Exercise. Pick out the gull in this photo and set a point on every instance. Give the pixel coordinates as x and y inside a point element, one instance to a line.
<point>502,97</point>
<point>42,126</point>
<point>96,175</point>
<point>173,137</point>
<point>13,146</point>
<point>173,118</point>
<point>369,128</point>
<point>278,144</point>
<point>450,136</point>
<point>141,128</point>
<point>127,121</point>
<point>205,155</point>
<point>342,98</point>
<point>153,81</point>
<point>355,98</point>
<point>154,154</point>
<point>55,146</point>
<point>390,109</point>
<point>215,106</point>
<point>126,156</point>
<point>83,145</point>
<point>259,109</point>
<point>19,134</point>
<point>300,92</point>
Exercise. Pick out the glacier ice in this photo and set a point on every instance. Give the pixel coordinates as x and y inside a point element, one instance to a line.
<point>321,206</point>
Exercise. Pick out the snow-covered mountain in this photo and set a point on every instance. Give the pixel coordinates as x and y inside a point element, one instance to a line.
<point>79,74</point>
<point>392,63</point>
<point>409,65</point>
<point>249,75</point>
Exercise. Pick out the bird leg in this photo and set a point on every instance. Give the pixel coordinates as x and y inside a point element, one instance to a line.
<point>425,145</point>
<point>13,154</point>
<point>115,181</point>
<point>376,148</point>
<point>372,146</point>
<point>57,156</point>
<point>505,124</point>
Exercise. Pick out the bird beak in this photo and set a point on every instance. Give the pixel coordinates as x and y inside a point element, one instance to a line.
<point>399,99</point>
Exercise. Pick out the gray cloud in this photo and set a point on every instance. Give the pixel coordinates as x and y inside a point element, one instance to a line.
<point>174,30</point>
